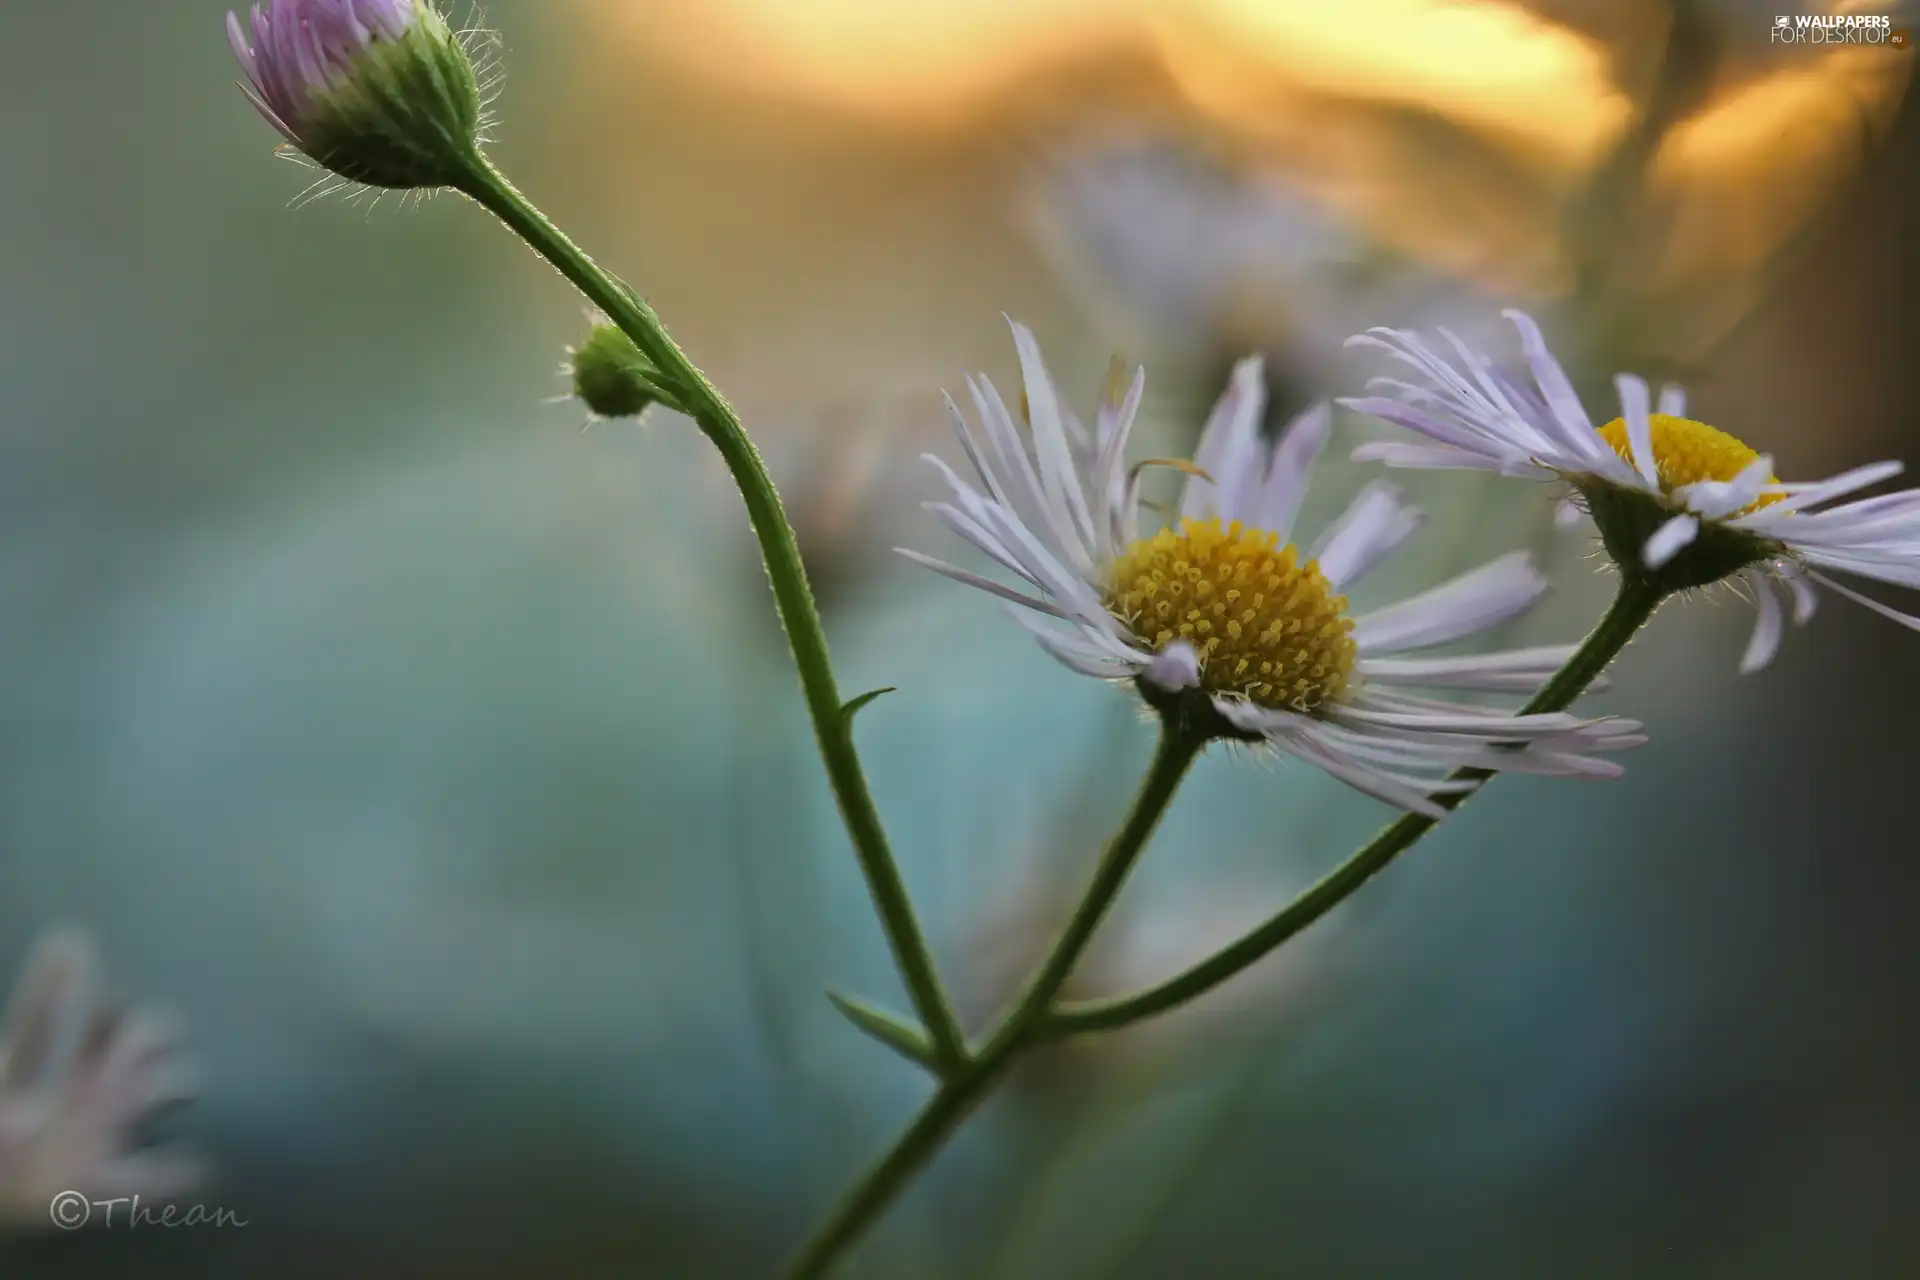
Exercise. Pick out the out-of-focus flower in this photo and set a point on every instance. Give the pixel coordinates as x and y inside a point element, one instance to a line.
<point>80,1074</point>
<point>1193,255</point>
<point>1223,619</point>
<point>1675,500</point>
<point>378,91</point>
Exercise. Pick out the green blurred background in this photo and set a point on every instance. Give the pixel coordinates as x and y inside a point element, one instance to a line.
<point>440,763</point>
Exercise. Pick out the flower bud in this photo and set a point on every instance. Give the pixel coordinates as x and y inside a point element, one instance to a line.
<point>610,375</point>
<point>378,91</point>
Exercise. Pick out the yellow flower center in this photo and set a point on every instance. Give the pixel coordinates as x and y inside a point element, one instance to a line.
<point>1687,452</point>
<point>1265,626</point>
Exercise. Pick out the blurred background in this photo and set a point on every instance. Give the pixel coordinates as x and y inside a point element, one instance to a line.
<point>439,764</point>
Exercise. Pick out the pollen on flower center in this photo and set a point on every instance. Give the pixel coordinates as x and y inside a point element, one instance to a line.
<point>1265,626</point>
<point>1687,452</point>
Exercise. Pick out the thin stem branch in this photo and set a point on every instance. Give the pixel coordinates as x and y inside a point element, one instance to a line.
<point>832,725</point>
<point>963,1090</point>
<point>1631,608</point>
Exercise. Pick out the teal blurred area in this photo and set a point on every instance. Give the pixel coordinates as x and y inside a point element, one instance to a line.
<point>441,765</point>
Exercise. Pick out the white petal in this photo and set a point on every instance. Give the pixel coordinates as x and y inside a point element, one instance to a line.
<point>1175,668</point>
<point>1489,595</point>
<point>1768,629</point>
<point>1286,480</point>
<point>1669,540</point>
<point>1434,457</point>
<point>1805,599</point>
<point>1109,478</point>
<point>1673,401</point>
<point>1229,446</point>
<point>1370,528</point>
<point>1029,501</point>
<point>985,584</point>
<point>972,531</point>
<point>1076,653</point>
<point>1442,430</point>
<point>1314,748</point>
<point>1547,372</point>
<point>1514,670</point>
<point>1058,475</point>
<point>1633,408</point>
<point>1715,499</point>
<point>1846,482</point>
<point>1881,609</point>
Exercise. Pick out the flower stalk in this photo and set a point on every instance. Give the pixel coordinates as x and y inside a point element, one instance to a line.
<point>1633,605</point>
<point>692,393</point>
<point>1037,1019</point>
<point>958,1094</point>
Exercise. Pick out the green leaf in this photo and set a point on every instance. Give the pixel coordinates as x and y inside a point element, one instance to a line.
<point>903,1037</point>
<point>854,707</point>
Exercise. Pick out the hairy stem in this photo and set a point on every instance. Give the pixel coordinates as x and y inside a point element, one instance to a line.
<point>832,724</point>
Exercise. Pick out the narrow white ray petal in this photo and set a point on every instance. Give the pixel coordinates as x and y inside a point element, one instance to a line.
<point>1633,408</point>
<point>1805,599</point>
<point>1899,571</point>
<point>1229,448</point>
<point>1031,559</point>
<point>1846,482</point>
<point>1517,670</point>
<point>1768,628</point>
<point>1074,652</point>
<point>1547,438</point>
<point>1435,457</point>
<point>1881,609</point>
<point>1052,516</point>
<point>975,455</point>
<point>1025,497</point>
<point>1367,532</point>
<point>1669,540</point>
<point>1058,475</point>
<point>1109,478</point>
<point>1357,775</point>
<point>965,526</point>
<point>1474,601</point>
<point>1673,401</point>
<point>1448,429</point>
<point>1463,721</point>
<point>1175,668</point>
<point>1554,384</point>
<point>1567,514</point>
<point>1714,499</point>
<point>985,584</point>
<point>1532,759</point>
<point>1285,484</point>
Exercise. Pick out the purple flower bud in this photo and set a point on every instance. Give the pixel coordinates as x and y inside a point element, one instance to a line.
<point>379,91</point>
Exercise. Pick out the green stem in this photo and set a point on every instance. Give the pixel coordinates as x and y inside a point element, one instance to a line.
<point>793,597</point>
<point>1631,608</point>
<point>960,1092</point>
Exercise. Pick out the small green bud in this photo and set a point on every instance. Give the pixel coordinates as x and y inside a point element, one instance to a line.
<point>378,91</point>
<point>611,376</point>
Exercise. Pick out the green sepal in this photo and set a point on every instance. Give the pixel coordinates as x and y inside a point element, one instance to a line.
<point>1627,517</point>
<point>407,118</point>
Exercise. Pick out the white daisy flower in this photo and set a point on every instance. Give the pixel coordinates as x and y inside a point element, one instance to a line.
<point>81,1075</point>
<point>1222,619</point>
<point>1678,502</point>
